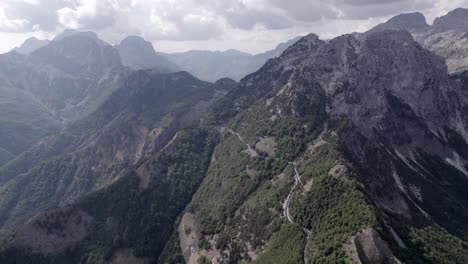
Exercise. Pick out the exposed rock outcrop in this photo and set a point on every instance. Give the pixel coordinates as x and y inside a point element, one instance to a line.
<point>368,247</point>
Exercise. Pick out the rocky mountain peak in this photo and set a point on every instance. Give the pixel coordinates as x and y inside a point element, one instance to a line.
<point>454,20</point>
<point>311,38</point>
<point>136,43</point>
<point>357,76</point>
<point>306,45</point>
<point>389,39</point>
<point>413,20</point>
<point>72,32</point>
<point>407,21</point>
<point>75,51</point>
<point>30,45</point>
<point>138,53</point>
<point>392,62</point>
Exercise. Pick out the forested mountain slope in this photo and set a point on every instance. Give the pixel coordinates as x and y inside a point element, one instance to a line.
<point>139,119</point>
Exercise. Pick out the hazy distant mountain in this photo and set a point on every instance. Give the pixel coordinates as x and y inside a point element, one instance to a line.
<point>68,73</point>
<point>214,65</point>
<point>139,54</point>
<point>66,79</point>
<point>30,45</point>
<point>455,20</point>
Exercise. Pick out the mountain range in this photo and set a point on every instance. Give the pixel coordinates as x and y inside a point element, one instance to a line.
<point>233,64</point>
<point>138,53</point>
<point>350,150</point>
<point>70,76</point>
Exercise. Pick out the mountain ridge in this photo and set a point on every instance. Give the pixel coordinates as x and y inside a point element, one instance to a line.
<point>234,64</point>
<point>30,45</point>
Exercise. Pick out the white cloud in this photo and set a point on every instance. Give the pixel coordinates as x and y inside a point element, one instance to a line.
<point>91,14</point>
<point>11,25</point>
<point>209,24</point>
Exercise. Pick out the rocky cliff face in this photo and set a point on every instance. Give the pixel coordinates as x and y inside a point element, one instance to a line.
<point>394,114</point>
<point>415,107</point>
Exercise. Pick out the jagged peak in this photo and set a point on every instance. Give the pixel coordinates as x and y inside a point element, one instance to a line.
<point>312,37</point>
<point>458,12</point>
<point>349,38</point>
<point>75,33</point>
<point>408,21</point>
<point>137,44</point>
<point>305,45</point>
<point>134,39</point>
<point>415,20</point>
<point>30,45</point>
<point>83,48</point>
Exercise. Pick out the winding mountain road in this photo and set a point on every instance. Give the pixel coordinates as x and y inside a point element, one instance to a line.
<point>250,150</point>
<point>287,202</point>
<point>287,215</point>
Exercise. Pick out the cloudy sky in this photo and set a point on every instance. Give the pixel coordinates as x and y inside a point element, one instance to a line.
<point>178,25</point>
